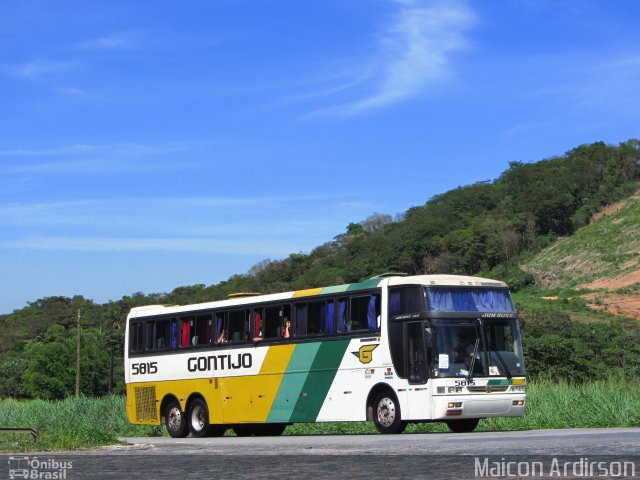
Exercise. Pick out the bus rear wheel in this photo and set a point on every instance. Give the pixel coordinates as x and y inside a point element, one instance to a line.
<point>174,420</point>
<point>386,413</point>
<point>463,425</point>
<point>199,421</point>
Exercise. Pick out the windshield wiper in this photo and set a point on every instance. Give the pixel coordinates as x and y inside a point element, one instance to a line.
<point>503,364</point>
<point>475,352</point>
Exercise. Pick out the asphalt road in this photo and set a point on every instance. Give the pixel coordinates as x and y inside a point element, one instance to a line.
<point>575,453</point>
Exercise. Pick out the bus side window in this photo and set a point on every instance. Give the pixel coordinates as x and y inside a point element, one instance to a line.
<point>203,330</point>
<point>358,313</point>
<point>136,337</point>
<point>221,330</point>
<point>174,334</point>
<point>272,322</point>
<point>186,325</point>
<point>343,315</point>
<point>316,317</point>
<point>258,320</point>
<point>150,335</point>
<point>238,326</point>
<point>301,319</point>
<point>162,335</point>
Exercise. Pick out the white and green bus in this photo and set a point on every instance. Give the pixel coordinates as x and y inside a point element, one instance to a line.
<point>392,349</point>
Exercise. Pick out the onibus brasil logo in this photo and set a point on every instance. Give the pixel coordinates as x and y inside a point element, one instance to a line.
<point>50,468</point>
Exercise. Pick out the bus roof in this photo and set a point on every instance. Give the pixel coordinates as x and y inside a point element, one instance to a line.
<point>373,282</point>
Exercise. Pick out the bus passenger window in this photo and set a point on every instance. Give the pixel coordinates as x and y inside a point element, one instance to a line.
<point>358,314</point>
<point>136,337</point>
<point>272,321</point>
<point>316,317</point>
<point>301,319</point>
<point>237,326</point>
<point>162,334</point>
<point>257,327</point>
<point>185,330</point>
<point>174,334</point>
<point>203,330</point>
<point>221,332</point>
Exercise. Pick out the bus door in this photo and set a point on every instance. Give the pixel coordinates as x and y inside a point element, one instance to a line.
<point>416,341</point>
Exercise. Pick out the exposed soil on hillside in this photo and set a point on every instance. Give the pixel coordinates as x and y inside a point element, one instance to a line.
<point>608,210</point>
<point>614,283</point>
<point>625,305</point>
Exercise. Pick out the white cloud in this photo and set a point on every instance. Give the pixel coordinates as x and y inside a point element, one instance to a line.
<point>37,69</point>
<point>259,246</point>
<point>414,54</point>
<point>86,159</point>
<point>113,41</point>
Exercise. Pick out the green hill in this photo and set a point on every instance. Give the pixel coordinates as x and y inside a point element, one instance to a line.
<point>608,248</point>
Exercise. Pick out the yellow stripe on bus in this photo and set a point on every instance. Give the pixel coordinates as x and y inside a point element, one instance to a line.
<point>307,293</point>
<point>249,398</point>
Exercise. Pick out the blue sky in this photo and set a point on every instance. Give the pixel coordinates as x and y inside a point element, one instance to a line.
<point>148,145</point>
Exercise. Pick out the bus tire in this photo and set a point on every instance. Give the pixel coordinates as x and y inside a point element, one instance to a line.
<point>386,413</point>
<point>463,425</point>
<point>199,419</point>
<point>175,420</point>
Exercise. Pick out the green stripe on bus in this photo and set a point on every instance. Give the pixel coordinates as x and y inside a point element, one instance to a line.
<point>366,284</point>
<point>321,375</point>
<point>336,288</point>
<point>499,382</point>
<point>293,381</point>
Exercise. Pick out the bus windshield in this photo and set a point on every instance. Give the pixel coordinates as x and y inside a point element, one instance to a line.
<point>491,347</point>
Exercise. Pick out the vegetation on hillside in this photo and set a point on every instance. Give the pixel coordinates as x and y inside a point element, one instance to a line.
<point>608,247</point>
<point>487,228</point>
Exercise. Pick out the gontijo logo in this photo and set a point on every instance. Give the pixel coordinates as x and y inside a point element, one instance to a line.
<point>365,354</point>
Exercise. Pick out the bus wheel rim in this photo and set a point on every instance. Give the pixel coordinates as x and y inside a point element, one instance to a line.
<point>175,418</point>
<point>197,418</point>
<point>386,412</point>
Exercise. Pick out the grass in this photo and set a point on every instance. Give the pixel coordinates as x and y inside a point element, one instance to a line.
<point>69,424</point>
<point>76,423</point>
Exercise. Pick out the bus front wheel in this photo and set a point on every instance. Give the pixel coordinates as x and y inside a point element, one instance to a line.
<point>174,420</point>
<point>386,413</point>
<point>463,425</point>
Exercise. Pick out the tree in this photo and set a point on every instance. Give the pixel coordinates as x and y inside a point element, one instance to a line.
<point>51,368</point>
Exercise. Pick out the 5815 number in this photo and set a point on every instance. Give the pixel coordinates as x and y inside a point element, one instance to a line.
<point>144,368</point>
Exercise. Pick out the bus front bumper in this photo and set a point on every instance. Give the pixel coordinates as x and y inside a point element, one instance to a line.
<point>450,407</point>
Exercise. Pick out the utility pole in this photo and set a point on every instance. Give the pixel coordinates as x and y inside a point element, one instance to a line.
<point>78,358</point>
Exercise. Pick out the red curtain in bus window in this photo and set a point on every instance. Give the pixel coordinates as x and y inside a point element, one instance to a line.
<point>186,333</point>
<point>258,324</point>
